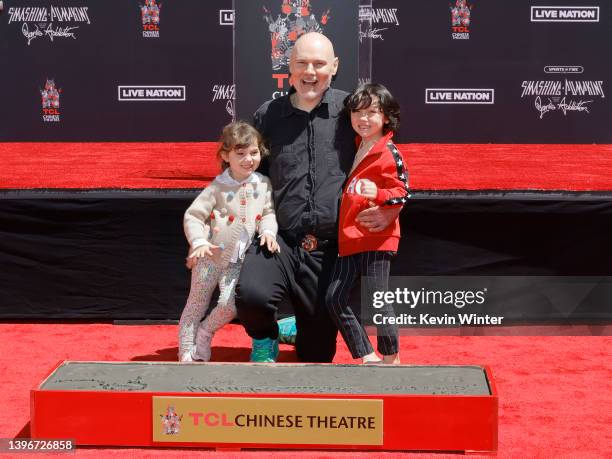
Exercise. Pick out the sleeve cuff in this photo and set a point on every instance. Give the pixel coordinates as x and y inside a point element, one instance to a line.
<point>380,196</point>
<point>199,243</point>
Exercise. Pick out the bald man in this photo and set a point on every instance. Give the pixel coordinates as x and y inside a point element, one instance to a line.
<point>312,149</point>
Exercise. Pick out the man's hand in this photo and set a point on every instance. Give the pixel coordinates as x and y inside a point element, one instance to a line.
<point>270,242</point>
<point>367,189</point>
<point>376,218</point>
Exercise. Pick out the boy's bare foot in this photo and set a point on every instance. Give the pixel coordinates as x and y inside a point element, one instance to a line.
<point>371,358</point>
<point>392,359</point>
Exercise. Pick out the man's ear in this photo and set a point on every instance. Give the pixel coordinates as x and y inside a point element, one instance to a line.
<point>336,62</point>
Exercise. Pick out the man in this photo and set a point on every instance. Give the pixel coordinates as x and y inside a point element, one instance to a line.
<point>311,152</point>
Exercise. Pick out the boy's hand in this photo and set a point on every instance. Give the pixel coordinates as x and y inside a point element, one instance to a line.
<point>270,242</point>
<point>367,189</point>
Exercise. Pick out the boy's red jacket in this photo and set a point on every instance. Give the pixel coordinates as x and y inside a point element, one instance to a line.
<point>384,166</point>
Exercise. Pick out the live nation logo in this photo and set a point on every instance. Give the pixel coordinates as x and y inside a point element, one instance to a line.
<point>461,13</point>
<point>50,98</point>
<point>459,96</point>
<point>151,93</point>
<point>149,13</point>
<point>226,17</point>
<point>563,94</point>
<point>564,14</point>
<point>227,93</point>
<point>52,22</point>
<point>372,20</point>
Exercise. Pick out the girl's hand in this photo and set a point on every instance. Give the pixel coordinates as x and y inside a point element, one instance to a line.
<point>270,242</point>
<point>200,252</point>
<point>367,189</point>
<point>205,251</point>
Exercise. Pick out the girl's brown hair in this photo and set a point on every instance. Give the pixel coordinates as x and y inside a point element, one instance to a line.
<point>236,135</point>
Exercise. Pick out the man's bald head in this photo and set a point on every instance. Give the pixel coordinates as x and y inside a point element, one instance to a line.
<point>313,40</point>
<point>312,66</point>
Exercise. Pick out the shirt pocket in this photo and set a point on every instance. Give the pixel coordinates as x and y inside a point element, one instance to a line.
<point>283,164</point>
<point>339,157</point>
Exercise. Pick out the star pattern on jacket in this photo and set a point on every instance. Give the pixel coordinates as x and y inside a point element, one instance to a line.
<point>402,174</point>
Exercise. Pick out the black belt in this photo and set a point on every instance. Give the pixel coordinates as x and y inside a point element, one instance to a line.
<point>308,242</point>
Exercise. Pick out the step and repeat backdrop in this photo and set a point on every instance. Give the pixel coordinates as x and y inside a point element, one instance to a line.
<point>116,70</point>
<point>464,71</point>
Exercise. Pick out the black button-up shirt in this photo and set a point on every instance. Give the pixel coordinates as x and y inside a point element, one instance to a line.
<point>311,155</point>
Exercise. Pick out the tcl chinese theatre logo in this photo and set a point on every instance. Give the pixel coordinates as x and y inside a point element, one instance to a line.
<point>461,13</point>
<point>150,15</point>
<point>295,19</point>
<point>264,420</point>
<point>50,98</point>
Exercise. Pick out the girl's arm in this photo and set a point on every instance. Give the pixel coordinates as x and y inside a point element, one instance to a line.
<point>195,221</point>
<point>268,218</point>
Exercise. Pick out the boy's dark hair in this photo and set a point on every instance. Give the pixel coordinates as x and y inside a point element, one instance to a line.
<point>236,135</point>
<point>362,98</point>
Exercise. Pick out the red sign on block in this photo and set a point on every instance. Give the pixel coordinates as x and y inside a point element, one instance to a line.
<point>284,406</point>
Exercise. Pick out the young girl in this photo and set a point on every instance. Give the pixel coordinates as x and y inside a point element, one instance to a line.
<point>378,178</point>
<point>219,226</point>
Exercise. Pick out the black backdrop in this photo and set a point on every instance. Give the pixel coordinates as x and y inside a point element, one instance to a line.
<point>413,50</point>
<point>119,255</point>
<point>107,255</point>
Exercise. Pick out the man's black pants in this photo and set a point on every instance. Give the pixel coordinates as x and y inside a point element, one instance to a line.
<point>303,276</point>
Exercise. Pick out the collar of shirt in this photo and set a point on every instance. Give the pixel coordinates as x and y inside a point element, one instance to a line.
<point>289,109</point>
<point>226,179</point>
<point>380,144</point>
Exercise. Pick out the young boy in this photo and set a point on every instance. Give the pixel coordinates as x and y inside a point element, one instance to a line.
<point>378,177</point>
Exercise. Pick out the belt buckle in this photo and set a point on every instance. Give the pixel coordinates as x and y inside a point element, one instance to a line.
<point>309,243</point>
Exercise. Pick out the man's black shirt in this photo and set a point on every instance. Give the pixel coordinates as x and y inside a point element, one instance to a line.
<point>310,156</point>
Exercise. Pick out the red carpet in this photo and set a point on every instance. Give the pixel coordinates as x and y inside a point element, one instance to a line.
<point>554,391</point>
<point>191,165</point>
